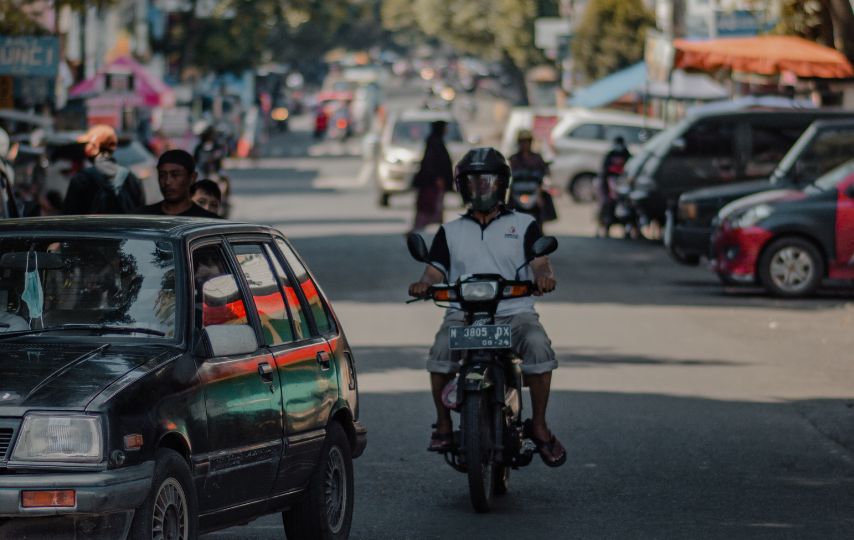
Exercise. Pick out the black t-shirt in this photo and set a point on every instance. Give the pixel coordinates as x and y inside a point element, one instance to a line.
<point>157,210</point>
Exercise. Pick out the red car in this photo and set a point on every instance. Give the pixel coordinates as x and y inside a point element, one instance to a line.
<point>790,240</point>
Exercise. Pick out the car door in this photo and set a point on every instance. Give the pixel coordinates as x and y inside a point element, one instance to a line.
<point>306,368</point>
<point>845,229</point>
<point>242,391</point>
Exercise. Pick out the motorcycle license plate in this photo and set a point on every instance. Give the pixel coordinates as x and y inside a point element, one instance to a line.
<point>494,336</point>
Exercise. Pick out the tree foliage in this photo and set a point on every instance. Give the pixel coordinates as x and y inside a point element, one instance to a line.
<point>829,22</point>
<point>611,36</point>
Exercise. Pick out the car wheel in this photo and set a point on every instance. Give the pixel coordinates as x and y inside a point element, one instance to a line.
<point>326,511</point>
<point>170,512</point>
<point>582,188</point>
<point>791,267</point>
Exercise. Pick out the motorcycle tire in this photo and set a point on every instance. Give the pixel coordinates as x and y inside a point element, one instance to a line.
<point>479,441</point>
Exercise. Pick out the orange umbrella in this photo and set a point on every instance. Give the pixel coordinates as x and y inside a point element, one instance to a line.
<point>765,55</point>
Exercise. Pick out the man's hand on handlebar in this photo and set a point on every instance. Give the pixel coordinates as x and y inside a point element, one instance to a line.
<point>419,289</point>
<point>544,284</point>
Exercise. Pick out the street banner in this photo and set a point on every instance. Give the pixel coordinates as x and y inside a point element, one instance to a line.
<point>29,56</point>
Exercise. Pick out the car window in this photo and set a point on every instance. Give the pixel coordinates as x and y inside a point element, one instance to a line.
<point>587,131</point>
<point>264,288</point>
<point>302,330</point>
<point>412,132</point>
<point>55,281</point>
<point>770,144</point>
<point>217,298</point>
<point>832,179</point>
<point>710,140</point>
<point>312,295</point>
<point>631,134</point>
<point>829,149</point>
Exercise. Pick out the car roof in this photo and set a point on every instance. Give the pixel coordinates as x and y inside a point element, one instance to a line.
<point>426,115</point>
<point>132,225</point>
<point>771,113</point>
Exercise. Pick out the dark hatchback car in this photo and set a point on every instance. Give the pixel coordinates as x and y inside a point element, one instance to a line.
<point>788,241</point>
<point>822,147</point>
<point>714,148</point>
<point>163,377</point>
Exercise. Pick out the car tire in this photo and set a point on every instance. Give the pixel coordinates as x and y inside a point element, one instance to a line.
<point>171,506</point>
<point>582,188</point>
<point>791,267</point>
<point>326,511</point>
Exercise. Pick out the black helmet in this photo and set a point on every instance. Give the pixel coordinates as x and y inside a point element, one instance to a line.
<point>482,177</point>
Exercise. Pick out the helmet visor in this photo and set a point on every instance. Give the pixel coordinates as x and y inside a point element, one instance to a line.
<point>482,185</point>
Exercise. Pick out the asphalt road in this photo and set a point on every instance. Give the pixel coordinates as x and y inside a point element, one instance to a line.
<point>689,410</point>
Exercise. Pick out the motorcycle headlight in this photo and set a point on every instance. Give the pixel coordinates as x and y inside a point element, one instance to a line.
<point>751,217</point>
<point>72,438</point>
<point>479,291</point>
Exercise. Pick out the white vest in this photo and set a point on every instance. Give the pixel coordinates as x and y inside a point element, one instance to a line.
<point>497,249</point>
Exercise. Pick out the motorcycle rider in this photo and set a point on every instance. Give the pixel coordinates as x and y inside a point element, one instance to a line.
<point>490,238</point>
<point>525,159</point>
<point>612,167</point>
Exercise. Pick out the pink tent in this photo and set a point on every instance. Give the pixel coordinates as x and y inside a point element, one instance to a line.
<point>149,89</point>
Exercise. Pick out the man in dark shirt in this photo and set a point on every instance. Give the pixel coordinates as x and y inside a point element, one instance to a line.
<point>176,172</point>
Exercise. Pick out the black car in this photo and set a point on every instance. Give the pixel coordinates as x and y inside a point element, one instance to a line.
<point>822,147</point>
<point>713,148</point>
<point>163,377</point>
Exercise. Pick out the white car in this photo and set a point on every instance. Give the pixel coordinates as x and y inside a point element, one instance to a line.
<point>582,138</point>
<point>401,146</point>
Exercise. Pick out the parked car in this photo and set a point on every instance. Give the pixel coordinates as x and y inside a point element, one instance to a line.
<point>168,377</point>
<point>714,148</point>
<point>400,148</point>
<point>582,138</point>
<point>821,148</point>
<point>789,240</point>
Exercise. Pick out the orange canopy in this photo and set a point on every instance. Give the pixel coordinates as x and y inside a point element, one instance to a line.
<point>765,55</point>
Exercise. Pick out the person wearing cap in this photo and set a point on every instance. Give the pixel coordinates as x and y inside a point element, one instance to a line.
<point>176,173</point>
<point>105,187</point>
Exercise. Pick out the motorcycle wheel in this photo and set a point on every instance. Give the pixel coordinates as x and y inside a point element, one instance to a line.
<point>479,441</point>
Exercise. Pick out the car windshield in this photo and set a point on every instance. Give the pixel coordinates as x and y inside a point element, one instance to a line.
<point>831,180</point>
<point>48,282</point>
<point>412,132</point>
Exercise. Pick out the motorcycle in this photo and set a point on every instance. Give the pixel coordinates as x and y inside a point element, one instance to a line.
<point>526,193</point>
<point>487,392</point>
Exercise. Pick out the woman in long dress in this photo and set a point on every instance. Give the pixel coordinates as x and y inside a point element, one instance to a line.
<point>433,179</point>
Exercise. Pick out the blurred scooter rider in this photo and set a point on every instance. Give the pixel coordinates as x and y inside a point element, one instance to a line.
<point>525,158</point>
<point>106,187</point>
<point>612,167</point>
<point>209,153</point>
<point>492,239</point>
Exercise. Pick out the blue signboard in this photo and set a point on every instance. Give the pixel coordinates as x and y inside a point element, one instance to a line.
<point>741,22</point>
<point>29,56</point>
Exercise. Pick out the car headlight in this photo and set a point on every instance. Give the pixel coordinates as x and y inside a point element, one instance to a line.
<point>478,291</point>
<point>751,217</point>
<point>73,438</point>
<point>687,211</point>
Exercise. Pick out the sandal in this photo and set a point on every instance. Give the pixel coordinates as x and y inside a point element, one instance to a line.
<point>552,451</point>
<point>440,442</point>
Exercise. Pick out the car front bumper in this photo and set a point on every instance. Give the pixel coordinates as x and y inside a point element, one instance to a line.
<point>683,241</point>
<point>105,502</point>
<point>736,252</point>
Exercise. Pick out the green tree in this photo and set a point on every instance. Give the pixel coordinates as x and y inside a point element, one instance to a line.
<point>611,37</point>
<point>829,22</point>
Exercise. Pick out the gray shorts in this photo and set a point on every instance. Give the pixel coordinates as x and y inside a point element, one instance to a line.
<point>530,342</point>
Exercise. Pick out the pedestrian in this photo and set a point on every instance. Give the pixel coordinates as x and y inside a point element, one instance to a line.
<point>105,187</point>
<point>206,193</point>
<point>433,179</point>
<point>612,167</point>
<point>176,172</point>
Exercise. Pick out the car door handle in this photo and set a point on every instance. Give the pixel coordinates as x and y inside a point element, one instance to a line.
<point>323,360</point>
<point>266,372</point>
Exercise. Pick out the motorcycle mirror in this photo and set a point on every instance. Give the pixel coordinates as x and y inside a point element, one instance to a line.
<point>544,246</point>
<point>417,248</point>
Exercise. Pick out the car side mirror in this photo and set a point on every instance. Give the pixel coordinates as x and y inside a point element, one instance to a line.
<point>544,246</point>
<point>230,339</point>
<point>418,248</point>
